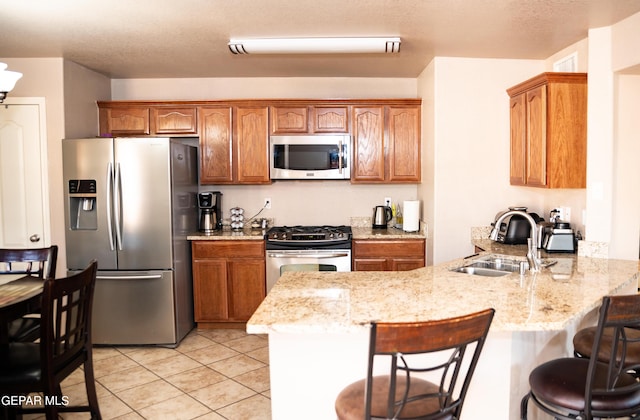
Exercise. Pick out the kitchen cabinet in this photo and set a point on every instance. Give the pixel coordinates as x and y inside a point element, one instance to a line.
<point>387,254</point>
<point>309,119</point>
<point>174,120</point>
<point>229,281</point>
<point>386,144</point>
<point>234,145</point>
<point>215,145</point>
<point>548,116</point>
<point>251,145</point>
<point>125,121</point>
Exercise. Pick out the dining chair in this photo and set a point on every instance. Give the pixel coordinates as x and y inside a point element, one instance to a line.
<point>588,388</point>
<point>65,345</point>
<point>37,262</point>
<point>447,351</point>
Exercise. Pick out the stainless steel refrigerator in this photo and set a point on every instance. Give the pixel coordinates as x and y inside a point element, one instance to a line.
<point>130,203</point>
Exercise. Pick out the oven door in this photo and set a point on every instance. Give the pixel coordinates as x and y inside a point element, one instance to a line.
<point>280,261</point>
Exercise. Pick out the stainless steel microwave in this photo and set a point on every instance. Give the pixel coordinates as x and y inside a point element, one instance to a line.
<point>310,157</point>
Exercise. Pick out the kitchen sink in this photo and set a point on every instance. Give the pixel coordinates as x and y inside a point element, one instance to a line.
<point>490,267</point>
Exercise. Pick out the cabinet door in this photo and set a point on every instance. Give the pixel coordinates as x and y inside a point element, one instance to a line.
<point>252,145</point>
<point>403,154</point>
<point>330,119</point>
<point>537,137</point>
<point>289,120</point>
<point>406,264</point>
<point>215,145</point>
<point>518,140</point>
<point>210,290</point>
<point>370,264</point>
<point>124,121</point>
<point>247,287</point>
<point>368,144</point>
<point>174,120</point>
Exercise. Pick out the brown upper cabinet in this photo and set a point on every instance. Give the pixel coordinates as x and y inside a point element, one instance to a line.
<point>234,134</point>
<point>234,145</point>
<point>118,119</point>
<point>309,119</point>
<point>132,120</point>
<point>386,144</point>
<point>174,120</point>
<point>548,116</point>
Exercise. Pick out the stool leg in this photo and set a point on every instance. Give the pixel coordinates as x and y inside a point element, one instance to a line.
<point>524,405</point>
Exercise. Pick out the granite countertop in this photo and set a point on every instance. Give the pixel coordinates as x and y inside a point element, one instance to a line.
<point>389,233</point>
<point>227,234</point>
<point>334,302</point>
<point>258,234</point>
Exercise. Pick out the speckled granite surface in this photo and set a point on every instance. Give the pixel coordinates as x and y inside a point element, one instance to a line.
<point>246,234</point>
<point>345,302</point>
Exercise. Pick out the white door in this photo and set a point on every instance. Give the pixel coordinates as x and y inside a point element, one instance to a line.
<point>24,208</point>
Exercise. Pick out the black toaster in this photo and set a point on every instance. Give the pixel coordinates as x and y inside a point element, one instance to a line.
<point>515,229</point>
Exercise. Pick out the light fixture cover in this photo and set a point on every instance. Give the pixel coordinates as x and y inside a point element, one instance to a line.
<point>8,78</point>
<point>361,45</point>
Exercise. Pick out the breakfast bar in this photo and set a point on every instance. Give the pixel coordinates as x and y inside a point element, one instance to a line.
<point>317,323</point>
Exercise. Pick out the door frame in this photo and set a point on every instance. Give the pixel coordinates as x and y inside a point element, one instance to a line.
<point>44,167</point>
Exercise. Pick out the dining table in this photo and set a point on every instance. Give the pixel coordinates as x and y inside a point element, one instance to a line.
<point>20,294</point>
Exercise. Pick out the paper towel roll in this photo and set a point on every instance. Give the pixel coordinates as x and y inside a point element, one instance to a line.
<point>411,216</point>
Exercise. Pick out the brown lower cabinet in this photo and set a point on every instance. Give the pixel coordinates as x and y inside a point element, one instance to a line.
<point>229,281</point>
<point>387,254</point>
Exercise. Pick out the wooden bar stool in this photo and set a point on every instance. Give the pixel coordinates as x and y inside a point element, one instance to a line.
<point>453,346</point>
<point>581,388</point>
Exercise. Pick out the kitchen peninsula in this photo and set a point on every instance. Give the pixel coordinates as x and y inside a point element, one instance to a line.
<point>318,334</point>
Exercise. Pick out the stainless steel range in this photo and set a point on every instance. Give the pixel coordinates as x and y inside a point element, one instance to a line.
<point>307,248</point>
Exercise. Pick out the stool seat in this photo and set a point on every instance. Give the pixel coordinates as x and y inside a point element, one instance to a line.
<point>560,383</point>
<point>583,344</point>
<point>350,402</point>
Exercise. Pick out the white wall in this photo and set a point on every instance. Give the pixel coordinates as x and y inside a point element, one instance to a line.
<point>262,87</point>
<point>427,90</point>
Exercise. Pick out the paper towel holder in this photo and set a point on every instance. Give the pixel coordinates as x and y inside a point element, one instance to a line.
<point>411,216</point>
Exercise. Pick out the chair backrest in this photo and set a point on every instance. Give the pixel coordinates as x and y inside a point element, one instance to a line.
<point>66,322</point>
<point>450,363</point>
<point>611,378</point>
<point>39,262</point>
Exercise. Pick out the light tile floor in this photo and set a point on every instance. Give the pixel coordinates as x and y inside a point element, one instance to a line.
<point>212,374</point>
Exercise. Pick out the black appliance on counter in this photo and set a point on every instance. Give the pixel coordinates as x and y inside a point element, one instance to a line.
<point>307,248</point>
<point>210,205</point>
<point>515,229</point>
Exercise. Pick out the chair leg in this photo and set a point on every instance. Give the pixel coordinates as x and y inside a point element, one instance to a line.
<point>524,405</point>
<point>90,385</point>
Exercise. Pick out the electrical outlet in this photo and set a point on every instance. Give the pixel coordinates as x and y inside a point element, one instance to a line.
<point>567,214</point>
<point>267,203</point>
<point>387,201</point>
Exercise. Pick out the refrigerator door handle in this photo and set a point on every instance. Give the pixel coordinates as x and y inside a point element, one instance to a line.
<point>118,206</point>
<point>110,204</point>
<point>134,277</point>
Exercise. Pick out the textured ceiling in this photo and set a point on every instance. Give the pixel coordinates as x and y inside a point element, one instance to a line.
<point>188,38</point>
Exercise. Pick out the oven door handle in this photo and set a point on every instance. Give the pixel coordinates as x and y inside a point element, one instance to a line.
<point>285,255</point>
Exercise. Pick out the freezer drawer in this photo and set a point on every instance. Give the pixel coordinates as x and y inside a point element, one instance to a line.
<point>134,308</point>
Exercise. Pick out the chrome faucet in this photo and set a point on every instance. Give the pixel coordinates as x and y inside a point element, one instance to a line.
<point>532,242</point>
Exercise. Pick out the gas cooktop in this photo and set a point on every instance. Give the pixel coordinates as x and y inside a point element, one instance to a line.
<point>308,235</point>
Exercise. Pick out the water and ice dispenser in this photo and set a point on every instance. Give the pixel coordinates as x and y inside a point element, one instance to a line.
<point>83,214</point>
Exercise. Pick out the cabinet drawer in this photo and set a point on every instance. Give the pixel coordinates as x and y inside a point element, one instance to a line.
<point>389,248</point>
<point>227,249</point>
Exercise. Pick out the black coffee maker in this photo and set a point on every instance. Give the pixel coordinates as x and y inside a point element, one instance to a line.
<point>210,205</point>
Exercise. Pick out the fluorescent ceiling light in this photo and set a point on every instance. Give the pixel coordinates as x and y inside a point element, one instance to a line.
<point>315,45</point>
